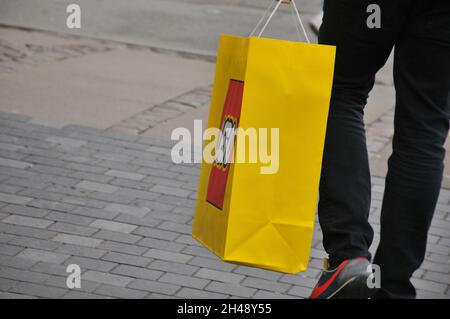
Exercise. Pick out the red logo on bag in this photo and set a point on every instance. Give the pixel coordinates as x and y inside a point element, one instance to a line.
<point>230,119</point>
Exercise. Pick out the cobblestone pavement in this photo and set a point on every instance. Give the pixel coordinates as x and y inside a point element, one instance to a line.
<point>116,205</point>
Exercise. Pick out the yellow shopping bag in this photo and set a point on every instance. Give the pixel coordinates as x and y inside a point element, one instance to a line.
<point>250,213</point>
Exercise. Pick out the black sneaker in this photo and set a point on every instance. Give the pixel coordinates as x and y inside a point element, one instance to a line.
<point>347,281</point>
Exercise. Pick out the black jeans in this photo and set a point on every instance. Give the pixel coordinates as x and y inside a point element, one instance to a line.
<point>420,32</point>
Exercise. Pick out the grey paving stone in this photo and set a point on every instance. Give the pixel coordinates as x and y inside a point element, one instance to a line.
<point>161,244</point>
<point>10,250</point>
<point>156,233</point>
<point>135,193</point>
<point>50,268</point>
<point>38,290</point>
<point>438,249</point>
<point>219,276</point>
<point>43,255</point>
<point>77,240</point>
<point>98,187</point>
<point>429,285</point>
<point>17,172</point>
<point>91,263</point>
<point>137,272</point>
<point>6,284</point>
<point>128,183</point>
<point>117,157</point>
<point>139,221</point>
<point>107,278</point>
<point>4,238</point>
<point>184,211</point>
<point>127,259</point>
<point>119,166</point>
<point>176,227</point>
<point>94,213</point>
<point>437,258</point>
<point>34,243</point>
<point>40,194</point>
<point>68,218</point>
<point>117,236</point>
<point>300,291</point>
<point>185,281</point>
<point>16,262</point>
<point>437,277</point>
<point>115,197</point>
<point>90,176</point>
<point>22,275</point>
<point>157,172</point>
<point>192,179</point>
<point>14,164</point>
<point>82,251</point>
<point>265,284</point>
<point>10,147</point>
<point>188,239</point>
<point>120,292</point>
<point>164,207</point>
<point>173,183</point>
<point>199,251</point>
<point>299,280</point>
<point>199,294</point>
<point>189,170</point>
<point>231,289</point>
<point>65,141</point>
<point>174,200</point>
<point>127,175</point>
<point>444,241</point>
<point>173,267</point>
<point>25,211</point>
<point>423,294</point>
<point>171,217</point>
<point>151,164</point>
<point>67,190</point>
<point>61,227</point>
<point>113,226</point>
<point>14,199</point>
<point>254,272</point>
<point>170,191</point>
<point>168,256</point>
<point>46,161</point>
<point>9,189</point>
<point>126,209</point>
<point>153,286</point>
<point>210,263</point>
<point>122,248</point>
<point>46,168</point>
<point>436,266</point>
<point>86,168</point>
<point>49,153</point>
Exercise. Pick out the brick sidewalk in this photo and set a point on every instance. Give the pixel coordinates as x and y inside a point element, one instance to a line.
<point>115,204</point>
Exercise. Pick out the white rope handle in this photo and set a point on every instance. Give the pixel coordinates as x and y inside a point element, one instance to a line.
<point>270,18</point>
<point>262,18</point>
<point>294,6</point>
<point>300,20</point>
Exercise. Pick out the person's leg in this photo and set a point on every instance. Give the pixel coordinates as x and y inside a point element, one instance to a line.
<point>345,181</point>
<point>422,81</point>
